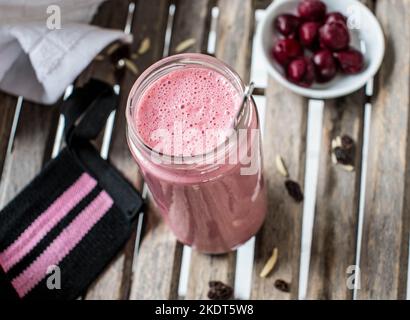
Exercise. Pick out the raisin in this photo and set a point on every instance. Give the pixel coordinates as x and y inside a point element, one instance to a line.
<point>282,285</point>
<point>219,291</point>
<point>343,156</point>
<point>294,190</point>
<point>347,142</point>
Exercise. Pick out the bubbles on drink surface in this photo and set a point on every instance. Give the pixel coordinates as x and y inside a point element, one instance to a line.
<point>195,103</point>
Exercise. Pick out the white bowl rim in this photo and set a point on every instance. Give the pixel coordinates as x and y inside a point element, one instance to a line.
<point>330,92</point>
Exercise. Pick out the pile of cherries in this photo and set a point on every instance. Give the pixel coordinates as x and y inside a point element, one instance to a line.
<point>315,45</point>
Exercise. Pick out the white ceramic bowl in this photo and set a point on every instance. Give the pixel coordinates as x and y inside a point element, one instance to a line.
<point>366,36</point>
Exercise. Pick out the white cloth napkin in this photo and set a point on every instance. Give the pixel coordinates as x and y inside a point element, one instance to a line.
<point>38,63</point>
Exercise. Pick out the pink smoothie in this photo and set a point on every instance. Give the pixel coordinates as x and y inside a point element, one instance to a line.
<point>212,208</point>
<point>198,102</point>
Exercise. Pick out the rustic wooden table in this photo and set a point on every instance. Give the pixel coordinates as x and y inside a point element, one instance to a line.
<point>149,265</point>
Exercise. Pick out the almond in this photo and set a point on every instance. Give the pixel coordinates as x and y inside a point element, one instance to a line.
<point>270,264</point>
<point>131,66</point>
<point>184,45</point>
<point>144,46</point>
<point>280,165</point>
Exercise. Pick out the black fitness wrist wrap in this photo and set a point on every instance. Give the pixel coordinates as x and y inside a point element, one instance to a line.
<point>76,214</point>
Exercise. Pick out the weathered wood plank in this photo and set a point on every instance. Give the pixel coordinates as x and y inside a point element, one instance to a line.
<point>262,4</point>
<point>8,108</point>
<point>192,20</point>
<point>155,270</point>
<point>285,136</point>
<point>384,250</point>
<point>235,32</point>
<point>110,284</point>
<point>158,262</point>
<point>111,14</point>
<point>234,46</point>
<point>336,216</point>
<point>337,205</point>
<point>143,27</point>
<point>32,148</point>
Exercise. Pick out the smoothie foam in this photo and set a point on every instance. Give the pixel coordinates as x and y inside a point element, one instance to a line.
<point>200,102</point>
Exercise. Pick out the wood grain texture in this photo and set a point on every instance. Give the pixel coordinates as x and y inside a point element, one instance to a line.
<point>192,20</point>
<point>111,283</point>
<point>32,148</point>
<point>236,24</point>
<point>155,268</point>
<point>285,135</point>
<point>7,110</point>
<point>116,282</point>
<point>337,200</point>
<point>158,262</point>
<point>262,4</point>
<point>384,250</point>
<point>111,14</point>
<point>335,225</point>
<point>135,267</point>
<point>234,46</point>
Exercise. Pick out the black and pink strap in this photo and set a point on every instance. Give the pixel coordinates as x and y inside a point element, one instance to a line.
<point>76,214</point>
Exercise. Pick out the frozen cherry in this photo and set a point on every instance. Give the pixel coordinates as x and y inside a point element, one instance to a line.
<point>325,65</point>
<point>285,50</point>
<point>293,36</point>
<point>350,61</point>
<point>335,16</point>
<point>309,33</point>
<point>287,24</point>
<point>296,70</point>
<point>312,10</point>
<point>334,36</point>
<point>301,71</point>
